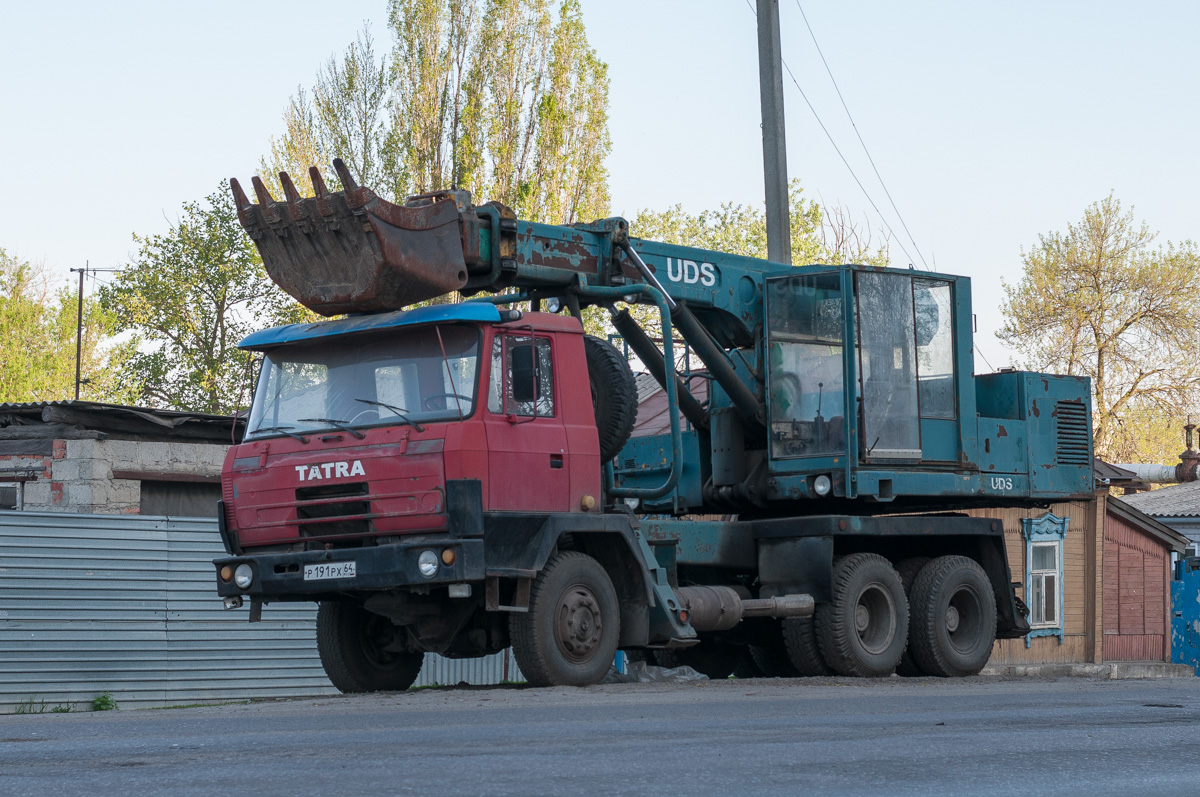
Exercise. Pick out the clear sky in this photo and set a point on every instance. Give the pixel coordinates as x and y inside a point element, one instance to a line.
<point>990,123</point>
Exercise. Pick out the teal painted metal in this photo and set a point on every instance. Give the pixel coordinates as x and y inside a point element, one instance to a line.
<point>468,312</point>
<point>988,440</point>
<point>1185,613</point>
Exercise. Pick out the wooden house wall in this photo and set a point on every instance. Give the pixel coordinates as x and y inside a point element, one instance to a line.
<point>1136,592</point>
<point>1081,584</point>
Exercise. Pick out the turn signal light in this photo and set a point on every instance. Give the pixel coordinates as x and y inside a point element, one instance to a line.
<point>226,573</point>
<point>448,556</point>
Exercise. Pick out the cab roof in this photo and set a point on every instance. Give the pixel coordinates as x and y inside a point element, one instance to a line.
<point>471,312</point>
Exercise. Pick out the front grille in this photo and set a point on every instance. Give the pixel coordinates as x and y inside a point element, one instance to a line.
<point>1074,433</point>
<point>319,503</point>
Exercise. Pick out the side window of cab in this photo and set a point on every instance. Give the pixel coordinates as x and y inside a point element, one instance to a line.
<point>522,377</point>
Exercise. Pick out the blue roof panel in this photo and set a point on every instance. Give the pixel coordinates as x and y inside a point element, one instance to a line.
<point>478,312</point>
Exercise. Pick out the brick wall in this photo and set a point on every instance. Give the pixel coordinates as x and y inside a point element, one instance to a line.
<point>78,476</point>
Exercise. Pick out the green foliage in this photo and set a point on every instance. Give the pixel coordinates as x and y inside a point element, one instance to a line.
<point>504,98</point>
<point>31,705</point>
<point>38,327</point>
<point>104,702</point>
<point>187,299</point>
<point>817,237</point>
<point>1099,300</point>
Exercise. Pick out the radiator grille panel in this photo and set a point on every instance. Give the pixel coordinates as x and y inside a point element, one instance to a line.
<point>1074,433</point>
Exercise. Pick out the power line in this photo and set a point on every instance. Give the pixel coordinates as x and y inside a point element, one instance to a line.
<point>871,160</point>
<point>838,150</point>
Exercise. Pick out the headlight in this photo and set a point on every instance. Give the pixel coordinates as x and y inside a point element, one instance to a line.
<point>821,485</point>
<point>243,576</point>
<point>427,563</point>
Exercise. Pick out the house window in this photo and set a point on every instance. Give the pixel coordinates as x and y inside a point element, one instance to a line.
<point>11,494</point>
<point>1044,539</point>
<point>1044,580</point>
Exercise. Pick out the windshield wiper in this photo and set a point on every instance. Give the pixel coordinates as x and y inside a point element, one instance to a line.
<point>401,413</point>
<point>283,429</point>
<point>335,423</point>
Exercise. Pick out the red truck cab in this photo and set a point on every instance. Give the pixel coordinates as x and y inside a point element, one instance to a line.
<point>357,425</point>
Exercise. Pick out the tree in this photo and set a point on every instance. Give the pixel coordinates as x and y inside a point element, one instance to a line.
<point>187,298</point>
<point>742,230</point>
<point>38,327</point>
<point>502,98</point>
<point>1101,301</point>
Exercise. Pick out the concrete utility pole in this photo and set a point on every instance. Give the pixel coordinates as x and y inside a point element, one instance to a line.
<point>770,86</point>
<point>79,329</point>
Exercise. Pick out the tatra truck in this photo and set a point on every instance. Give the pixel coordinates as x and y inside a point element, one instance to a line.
<point>447,464</point>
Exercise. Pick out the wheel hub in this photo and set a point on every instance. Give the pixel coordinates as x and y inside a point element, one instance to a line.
<point>951,619</point>
<point>875,618</point>
<point>578,624</point>
<point>862,617</point>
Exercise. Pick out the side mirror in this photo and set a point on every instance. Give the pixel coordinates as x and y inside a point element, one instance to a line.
<point>524,373</point>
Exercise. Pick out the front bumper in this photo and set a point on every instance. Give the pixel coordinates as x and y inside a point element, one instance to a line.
<point>280,576</point>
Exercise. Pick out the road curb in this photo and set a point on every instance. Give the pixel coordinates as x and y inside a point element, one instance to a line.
<point>1112,670</point>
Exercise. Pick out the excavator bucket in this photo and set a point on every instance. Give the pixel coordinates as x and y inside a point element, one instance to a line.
<point>350,251</point>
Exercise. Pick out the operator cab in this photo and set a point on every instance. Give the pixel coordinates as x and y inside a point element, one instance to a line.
<point>902,404</point>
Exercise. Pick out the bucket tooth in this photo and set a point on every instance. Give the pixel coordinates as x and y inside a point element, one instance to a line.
<point>344,175</point>
<point>260,190</point>
<point>240,200</point>
<point>293,196</point>
<point>318,182</point>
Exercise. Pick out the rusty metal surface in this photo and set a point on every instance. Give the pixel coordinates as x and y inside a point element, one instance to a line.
<point>349,251</point>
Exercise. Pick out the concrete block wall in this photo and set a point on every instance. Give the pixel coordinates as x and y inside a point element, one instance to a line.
<point>78,476</point>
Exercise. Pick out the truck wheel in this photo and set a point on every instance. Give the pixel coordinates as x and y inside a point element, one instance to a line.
<point>953,617</point>
<point>862,631</point>
<point>908,569</point>
<point>360,651</point>
<point>800,640</point>
<point>717,660</point>
<point>772,657</point>
<point>569,635</point>
<point>614,395</point>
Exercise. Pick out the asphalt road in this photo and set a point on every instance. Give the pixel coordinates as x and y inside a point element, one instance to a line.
<point>815,736</point>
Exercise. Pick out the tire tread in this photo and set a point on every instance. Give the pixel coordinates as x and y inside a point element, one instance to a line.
<point>926,595</point>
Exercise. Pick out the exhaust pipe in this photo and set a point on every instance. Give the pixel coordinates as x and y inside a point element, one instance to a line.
<point>721,608</point>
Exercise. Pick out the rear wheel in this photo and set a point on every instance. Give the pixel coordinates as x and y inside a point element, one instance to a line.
<point>771,655</point>
<point>953,617</point>
<point>800,639</point>
<point>908,569</point>
<point>363,652</point>
<point>569,635</point>
<point>862,631</point>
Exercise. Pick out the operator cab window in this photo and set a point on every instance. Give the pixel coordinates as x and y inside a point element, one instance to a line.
<point>906,361</point>
<point>523,373</point>
<point>805,366</point>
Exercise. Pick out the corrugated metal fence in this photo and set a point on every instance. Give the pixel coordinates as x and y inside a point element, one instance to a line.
<point>126,604</point>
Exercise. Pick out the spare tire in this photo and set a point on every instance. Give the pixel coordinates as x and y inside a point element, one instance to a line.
<point>614,395</point>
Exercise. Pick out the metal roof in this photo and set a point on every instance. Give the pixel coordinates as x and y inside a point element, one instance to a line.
<point>1121,508</point>
<point>1178,500</point>
<point>63,419</point>
<point>480,312</point>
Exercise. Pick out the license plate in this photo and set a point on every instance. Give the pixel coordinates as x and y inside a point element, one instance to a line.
<point>329,570</point>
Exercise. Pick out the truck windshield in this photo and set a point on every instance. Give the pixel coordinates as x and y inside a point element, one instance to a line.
<point>415,377</point>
